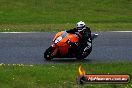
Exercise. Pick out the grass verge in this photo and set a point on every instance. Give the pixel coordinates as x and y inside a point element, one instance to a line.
<point>58,75</point>
<point>96,27</point>
<point>40,16</point>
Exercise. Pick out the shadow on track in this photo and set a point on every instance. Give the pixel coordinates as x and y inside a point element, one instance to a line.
<point>69,60</point>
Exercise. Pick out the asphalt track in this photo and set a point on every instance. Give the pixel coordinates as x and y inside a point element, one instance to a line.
<point>28,48</point>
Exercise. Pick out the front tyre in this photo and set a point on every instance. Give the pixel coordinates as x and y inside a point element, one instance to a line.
<point>48,53</point>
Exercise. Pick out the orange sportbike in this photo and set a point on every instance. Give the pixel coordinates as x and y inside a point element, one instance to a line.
<point>60,48</point>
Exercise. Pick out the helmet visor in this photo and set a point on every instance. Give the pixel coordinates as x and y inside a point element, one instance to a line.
<point>79,28</point>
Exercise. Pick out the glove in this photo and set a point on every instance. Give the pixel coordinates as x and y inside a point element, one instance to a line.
<point>71,43</point>
<point>68,41</point>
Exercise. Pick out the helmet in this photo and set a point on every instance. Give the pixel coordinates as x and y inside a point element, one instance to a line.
<point>80,25</point>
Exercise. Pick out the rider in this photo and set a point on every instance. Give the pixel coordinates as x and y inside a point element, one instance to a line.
<point>85,39</point>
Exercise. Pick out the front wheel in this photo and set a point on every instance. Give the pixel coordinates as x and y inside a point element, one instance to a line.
<point>48,53</point>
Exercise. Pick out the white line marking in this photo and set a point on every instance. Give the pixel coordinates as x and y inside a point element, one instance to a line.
<point>21,32</point>
<point>120,31</point>
<point>43,32</point>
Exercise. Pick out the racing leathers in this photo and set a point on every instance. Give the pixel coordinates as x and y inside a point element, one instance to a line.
<point>84,46</point>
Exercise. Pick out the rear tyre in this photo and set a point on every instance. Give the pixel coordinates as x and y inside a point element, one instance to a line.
<point>87,52</point>
<point>81,55</point>
<point>48,53</point>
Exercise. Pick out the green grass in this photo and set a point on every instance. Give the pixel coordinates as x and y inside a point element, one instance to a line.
<point>59,27</point>
<point>58,75</point>
<point>56,15</point>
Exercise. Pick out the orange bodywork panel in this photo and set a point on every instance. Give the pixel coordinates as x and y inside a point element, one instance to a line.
<point>71,37</point>
<point>62,45</point>
<point>58,34</point>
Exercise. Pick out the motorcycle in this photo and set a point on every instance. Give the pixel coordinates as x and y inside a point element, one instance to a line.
<point>60,48</point>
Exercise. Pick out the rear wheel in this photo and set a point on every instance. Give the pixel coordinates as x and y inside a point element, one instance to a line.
<point>48,53</point>
<point>81,56</point>
<point>86,53</point>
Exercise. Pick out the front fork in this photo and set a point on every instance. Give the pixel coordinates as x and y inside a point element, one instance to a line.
<point>55,50</point>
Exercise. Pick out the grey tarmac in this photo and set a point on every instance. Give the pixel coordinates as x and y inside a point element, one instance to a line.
<point>28,48</point>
